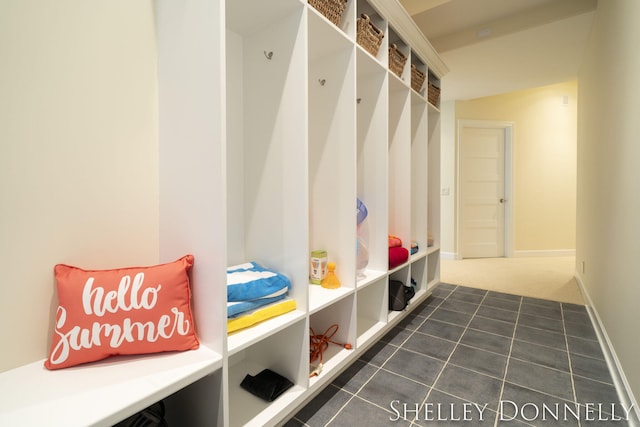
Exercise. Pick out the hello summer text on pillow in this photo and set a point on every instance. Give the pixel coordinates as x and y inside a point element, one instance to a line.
<point>134,310</point>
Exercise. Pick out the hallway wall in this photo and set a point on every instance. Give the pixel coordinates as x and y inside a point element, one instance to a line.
<point>608,225</point>
<point>78,153</point>
<point>544,165</point>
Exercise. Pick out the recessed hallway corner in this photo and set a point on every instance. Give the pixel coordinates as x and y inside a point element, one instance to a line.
<point>549,278</point>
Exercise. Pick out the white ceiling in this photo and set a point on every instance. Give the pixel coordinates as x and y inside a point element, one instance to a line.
<point>499,46</point>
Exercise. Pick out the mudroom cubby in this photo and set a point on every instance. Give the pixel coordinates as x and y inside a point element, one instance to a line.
<point>265,159</point>
<point>400,274</point>
<point>379,24</point>
<point>419,274</point>
<point>338,323</point>
<point>433,198</point>
<point>399,178</point>
<point>266,156</point>
<point>372,167</point>
<point>372,310</point>
<point>274,123</point>
<point>419,173</point>
<point>285,353</point>
<point>399,64</point>
<point>433,268</point>
<point>331,147</point>
<point>418,75</point>
<point>434,87</point>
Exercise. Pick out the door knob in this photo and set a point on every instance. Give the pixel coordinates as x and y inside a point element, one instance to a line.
<point>503,200</point>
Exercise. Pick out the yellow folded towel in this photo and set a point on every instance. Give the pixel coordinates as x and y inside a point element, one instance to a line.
<point>261,314</point>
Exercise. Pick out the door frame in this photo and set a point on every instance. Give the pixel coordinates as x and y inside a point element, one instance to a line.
<point>508,128</point>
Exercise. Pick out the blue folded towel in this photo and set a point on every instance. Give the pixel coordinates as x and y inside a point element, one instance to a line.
<point>250,285</point>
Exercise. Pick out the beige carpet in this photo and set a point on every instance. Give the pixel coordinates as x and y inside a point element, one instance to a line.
<point>549,278</point>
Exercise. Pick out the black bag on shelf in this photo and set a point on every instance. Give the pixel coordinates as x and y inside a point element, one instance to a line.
<point>153,416</point>
<point>399,295</point>
<point>267,384</point>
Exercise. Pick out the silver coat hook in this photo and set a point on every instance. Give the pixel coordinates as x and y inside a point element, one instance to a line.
<point>268,55</point>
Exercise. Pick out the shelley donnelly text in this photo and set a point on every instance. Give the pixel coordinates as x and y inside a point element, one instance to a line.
<point>508,410</point>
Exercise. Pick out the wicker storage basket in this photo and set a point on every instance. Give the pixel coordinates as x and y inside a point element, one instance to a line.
<point>417,78</point>
<point>369,37</point>
<point>397,60</point>
<point>433,95</point>
<point>331,9</point>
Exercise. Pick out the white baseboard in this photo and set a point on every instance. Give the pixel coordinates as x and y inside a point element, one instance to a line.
<point>448,255</point>
<point>523,254</point>
<point>619,379</point>
<point>545,253</point>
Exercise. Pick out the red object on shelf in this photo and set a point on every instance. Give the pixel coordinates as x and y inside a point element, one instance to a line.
<point>397,256</point>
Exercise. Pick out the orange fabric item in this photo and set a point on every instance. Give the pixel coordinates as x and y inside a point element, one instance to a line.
<point>394,241</point>
<point>135,310</point>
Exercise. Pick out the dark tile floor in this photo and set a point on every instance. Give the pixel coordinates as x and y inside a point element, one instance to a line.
<point>472,357</point>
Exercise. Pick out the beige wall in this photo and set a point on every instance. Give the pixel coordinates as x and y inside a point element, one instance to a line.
<point>608,225</point>
<point>544,163</point>
<point>78,153</point>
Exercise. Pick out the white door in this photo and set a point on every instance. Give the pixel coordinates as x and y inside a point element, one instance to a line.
<point>482,191</point>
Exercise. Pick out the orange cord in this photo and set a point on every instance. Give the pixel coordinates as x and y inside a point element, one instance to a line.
<point>320,342</point>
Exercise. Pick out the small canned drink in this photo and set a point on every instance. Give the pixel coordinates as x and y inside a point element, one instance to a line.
<point>318,266</point>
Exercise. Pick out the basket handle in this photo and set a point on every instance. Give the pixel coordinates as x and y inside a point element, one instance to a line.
<point>377,30</point>
<point>398,51</point>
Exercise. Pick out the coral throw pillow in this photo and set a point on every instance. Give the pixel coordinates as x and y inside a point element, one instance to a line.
<point>135,310</point>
